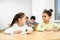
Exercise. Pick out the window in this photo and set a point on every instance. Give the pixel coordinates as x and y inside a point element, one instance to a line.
<point>57,10</point>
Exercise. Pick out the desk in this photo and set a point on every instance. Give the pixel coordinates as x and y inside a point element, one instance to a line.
<point>34,36</point>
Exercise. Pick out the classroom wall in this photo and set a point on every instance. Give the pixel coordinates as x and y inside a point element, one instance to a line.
<point>8,8</point>
<point>31,7</point>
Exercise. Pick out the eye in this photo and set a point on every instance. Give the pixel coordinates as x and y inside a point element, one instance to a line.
<point>43,16</point>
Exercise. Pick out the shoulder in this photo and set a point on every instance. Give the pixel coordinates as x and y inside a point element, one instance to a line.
<point>53,23</point>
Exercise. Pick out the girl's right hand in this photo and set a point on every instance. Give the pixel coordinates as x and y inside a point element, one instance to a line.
<point>47,29</point>
<point>17,31</point>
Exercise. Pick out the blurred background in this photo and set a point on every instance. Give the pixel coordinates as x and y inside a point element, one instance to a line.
<point>8,8</point>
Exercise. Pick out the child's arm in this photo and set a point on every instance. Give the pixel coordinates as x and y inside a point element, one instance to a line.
<point>48,29</point>
<point>12,30</point>
<point>39,28</point>
<point>29,30</point>
<point>17,31</point>
<point>56,27</point>
<point>8,31</point>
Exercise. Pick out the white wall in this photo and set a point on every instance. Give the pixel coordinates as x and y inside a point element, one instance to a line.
<point>39,5</point>
<point>8,8</point>
<point>37,8</point>
<point>31,7</point>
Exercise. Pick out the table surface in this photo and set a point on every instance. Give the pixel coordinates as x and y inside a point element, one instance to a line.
<point>34,36</point>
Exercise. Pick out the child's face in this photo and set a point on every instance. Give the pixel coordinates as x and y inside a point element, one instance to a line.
<point>45,17</point>
<point>32,20</point>
<point>23,19</point>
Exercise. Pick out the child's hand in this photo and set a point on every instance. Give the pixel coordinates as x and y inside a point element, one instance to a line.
<point>48,29</point>
<point>29,32</point>
<point>17,31</point>
<point>55,30</point>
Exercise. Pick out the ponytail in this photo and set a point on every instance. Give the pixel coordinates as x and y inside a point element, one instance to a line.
<point>15,19</point>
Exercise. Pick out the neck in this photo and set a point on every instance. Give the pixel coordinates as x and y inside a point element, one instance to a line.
<point>46,22</point>
<point>20,24</point>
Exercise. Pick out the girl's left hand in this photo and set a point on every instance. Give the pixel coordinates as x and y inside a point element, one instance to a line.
<point>55,30</point>
<point>29,32</point>
<point>48,29</point>
<point>17,31</point>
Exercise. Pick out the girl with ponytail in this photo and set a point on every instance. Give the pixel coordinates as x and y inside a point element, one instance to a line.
<point>18,25</point>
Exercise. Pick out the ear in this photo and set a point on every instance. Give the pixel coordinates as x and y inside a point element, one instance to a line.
<point>19,19</point>
<point>50,16</point>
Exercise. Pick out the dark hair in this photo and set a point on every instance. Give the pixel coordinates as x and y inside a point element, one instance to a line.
<point>27,17</point>
<point>15,19</point>
<point>48,12</point>
<point>33,17</point>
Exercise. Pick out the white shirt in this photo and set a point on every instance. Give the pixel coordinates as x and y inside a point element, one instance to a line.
<point>16,27</point>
